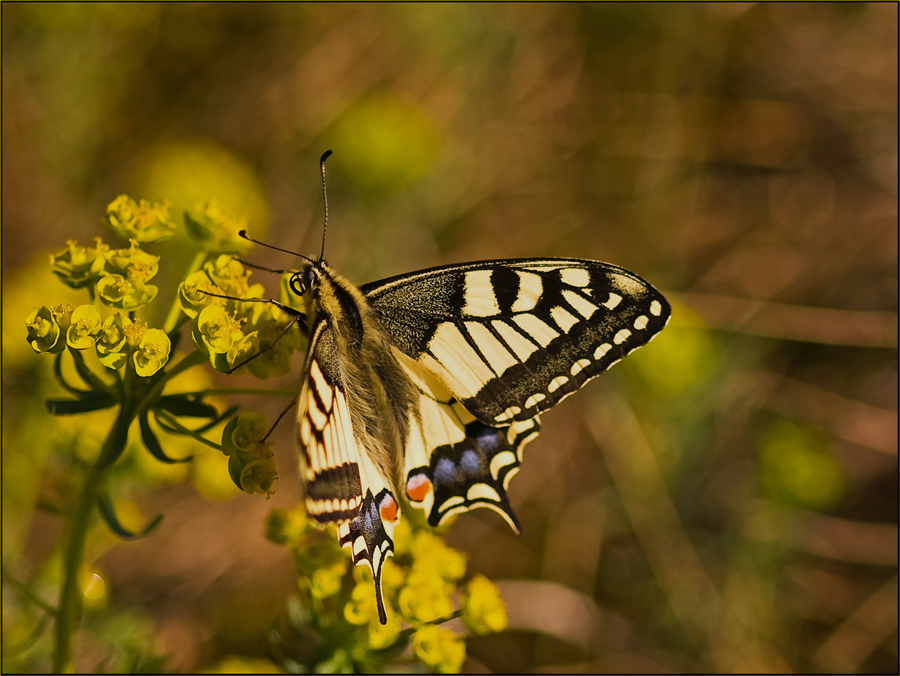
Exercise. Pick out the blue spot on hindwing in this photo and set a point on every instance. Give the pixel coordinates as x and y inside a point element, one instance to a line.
<point>470,463</point>
<point>444,471</point>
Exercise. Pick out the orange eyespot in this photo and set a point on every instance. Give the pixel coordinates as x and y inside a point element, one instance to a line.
<point>417,487</point>
<point>388,508</point>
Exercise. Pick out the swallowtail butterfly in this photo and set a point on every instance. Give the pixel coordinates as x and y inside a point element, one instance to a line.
<point>427,386</point>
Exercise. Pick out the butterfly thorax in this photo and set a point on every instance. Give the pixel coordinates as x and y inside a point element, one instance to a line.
<point>354,353</point>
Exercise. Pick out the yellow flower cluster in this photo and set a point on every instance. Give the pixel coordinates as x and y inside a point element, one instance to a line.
<point>114,339</point>
<point>119,279</point>
<point>420,584</point>
<point>232,332</point>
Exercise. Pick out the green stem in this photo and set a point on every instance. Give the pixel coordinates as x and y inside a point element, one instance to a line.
<point>239,390</point>
<point>171,420</point>
<point>26,591</point>
<point>69,610</point>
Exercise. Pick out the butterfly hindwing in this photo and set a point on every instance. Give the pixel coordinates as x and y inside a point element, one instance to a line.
<point>512,338</point>
<point>343,485</point>
<point>454,462</point>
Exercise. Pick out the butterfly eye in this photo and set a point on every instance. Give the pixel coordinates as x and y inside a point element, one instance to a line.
<point>298,284</point>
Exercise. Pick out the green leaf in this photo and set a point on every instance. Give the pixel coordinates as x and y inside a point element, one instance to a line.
<point>57,371</point>
<point>235,470</point>
<point>108,512</point>
<point>181,405</point>
<point>86,404</point>
<point>153,445</point>
<point>86,374</point>
<point>170,424</point>
<point>118,443</point>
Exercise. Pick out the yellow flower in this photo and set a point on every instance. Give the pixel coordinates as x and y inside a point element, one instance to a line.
<point>258,475</point>
<point>249,428</point>
<point>431,553</point>
<point>152,353</point>
<point>483,610</point>
<point>274,361</point>
<point>84,327</point>
<point>285,527</point>
<point>392,574</point>
<point>326,582</point>
<point>43,331</point>
<point>134,332</point>
<point>125,294</point>
<point>225,270</point>
<point>62,315</point>
<point>425,597</point>
<point>361,608</point>
<point>384,635</point>
<point>111,341</point>
<point>215,330</point>
<point>78,266</point>
<point>191,296</point>
<point>132,263</point>
<point>440,649</point>
<point>239,353</point>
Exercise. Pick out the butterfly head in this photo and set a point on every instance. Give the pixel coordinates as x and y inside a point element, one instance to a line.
<point>305,279</point>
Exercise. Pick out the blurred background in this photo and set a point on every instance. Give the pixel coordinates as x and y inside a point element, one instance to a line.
<point>723,500</point>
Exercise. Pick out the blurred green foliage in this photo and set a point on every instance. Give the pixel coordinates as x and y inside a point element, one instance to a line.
<point>798,467</point>
<point>384,144</point>
<point>724,500</point>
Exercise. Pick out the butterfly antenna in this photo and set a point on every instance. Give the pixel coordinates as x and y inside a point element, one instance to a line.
<point>325,156</point>
<point>244,235</point>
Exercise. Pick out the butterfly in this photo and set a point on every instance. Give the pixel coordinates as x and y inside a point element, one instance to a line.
<point>427,386</point>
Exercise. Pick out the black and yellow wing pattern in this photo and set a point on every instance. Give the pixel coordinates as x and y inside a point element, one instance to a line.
<point>430,384</point>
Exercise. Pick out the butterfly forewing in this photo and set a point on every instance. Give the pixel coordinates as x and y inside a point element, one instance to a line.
<point>512,338</point>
